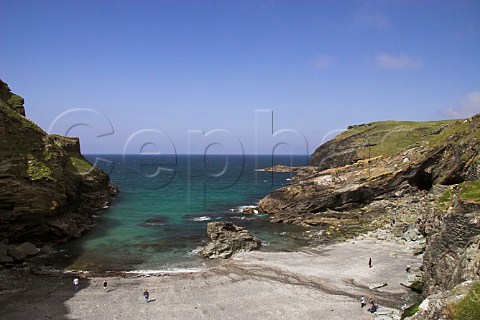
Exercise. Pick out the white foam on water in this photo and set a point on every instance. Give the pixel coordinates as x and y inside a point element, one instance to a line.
<point>169,271</point>
<point>202,218</point>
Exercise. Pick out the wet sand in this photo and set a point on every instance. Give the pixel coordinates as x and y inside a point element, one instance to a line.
<point>320,283</point>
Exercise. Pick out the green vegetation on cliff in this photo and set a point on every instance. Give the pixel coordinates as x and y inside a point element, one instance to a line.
<point>444,201</point>
<point>468,308</point>
<point>10,111</point>
<point>38,169</point>
<point>470,191</point>
<point>79,165</point>
<point>392,138</point>
<point>410,311</point>
<point>389,138</point>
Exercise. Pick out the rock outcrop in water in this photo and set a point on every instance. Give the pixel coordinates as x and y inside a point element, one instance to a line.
<point>368,174</point>
<point>48,190</point>
<point>226,239</point>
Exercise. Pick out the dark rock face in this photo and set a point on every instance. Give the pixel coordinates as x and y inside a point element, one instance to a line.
<point>10,99</point>
<point>453,246</point>
<point>331,154</point>
<point>225,239</point>
<point>340,189</point>
<point>48,190</point>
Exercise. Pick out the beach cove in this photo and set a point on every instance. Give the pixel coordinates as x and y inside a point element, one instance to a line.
<point>315,283</point>
<point>403,211</point>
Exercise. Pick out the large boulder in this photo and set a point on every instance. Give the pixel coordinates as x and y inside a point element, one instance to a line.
<point>28,249</point>
<point>225,239</point>
<point>4,257</point>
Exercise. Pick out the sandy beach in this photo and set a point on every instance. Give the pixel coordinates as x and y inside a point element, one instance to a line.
<point>319,283</point>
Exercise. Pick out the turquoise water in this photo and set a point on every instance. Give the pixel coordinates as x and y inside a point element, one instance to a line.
<point>159,218</point>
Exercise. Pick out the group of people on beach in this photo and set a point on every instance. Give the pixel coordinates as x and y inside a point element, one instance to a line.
<point>76,286</point>
<point>374,307</point>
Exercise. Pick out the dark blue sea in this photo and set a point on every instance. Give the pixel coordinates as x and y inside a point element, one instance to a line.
<point>158,220</point>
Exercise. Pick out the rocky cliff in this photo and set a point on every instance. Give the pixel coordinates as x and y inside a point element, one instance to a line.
<point>451,264</point>
<point>420,177</point>
<point>394,165</point>
<point>48,190</point>
<point>452,229</point>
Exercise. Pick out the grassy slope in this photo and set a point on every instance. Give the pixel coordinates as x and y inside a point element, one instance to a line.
<point>467,308</point>
<point>389,138</point>
<point>470,191</point>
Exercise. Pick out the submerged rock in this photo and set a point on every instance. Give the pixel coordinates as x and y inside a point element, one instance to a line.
<point>226,239</point>
<point>155,221</point>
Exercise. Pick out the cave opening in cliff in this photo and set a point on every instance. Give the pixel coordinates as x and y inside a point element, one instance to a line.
<point>422,180</point>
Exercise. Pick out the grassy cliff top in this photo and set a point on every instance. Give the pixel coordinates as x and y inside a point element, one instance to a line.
<point>391,138</point>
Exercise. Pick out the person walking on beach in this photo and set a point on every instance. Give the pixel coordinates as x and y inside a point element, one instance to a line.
<point>362,302</point>
<point>76,283</point>
<point>105,286</point>
<point>370,262</point>
<point>146,295</point>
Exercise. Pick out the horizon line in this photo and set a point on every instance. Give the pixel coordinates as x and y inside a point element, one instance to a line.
<point>196,154</point>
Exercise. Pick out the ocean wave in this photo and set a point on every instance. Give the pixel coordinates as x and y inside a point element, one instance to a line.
<point>202,218</point>
<point>241,209</point>
<point>164,271</point>
<point>242,218</point>
<point>194,252</point>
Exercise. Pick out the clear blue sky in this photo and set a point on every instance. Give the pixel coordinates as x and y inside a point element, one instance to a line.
<point>156,71</point>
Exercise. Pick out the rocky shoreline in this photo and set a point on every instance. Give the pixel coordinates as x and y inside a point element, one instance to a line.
<point>310,283</point>
<point>319,271</point>
<point>395,240</point>
<point>404,195</point>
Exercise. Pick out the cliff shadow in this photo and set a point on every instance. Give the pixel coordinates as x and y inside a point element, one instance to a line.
<point>25,294</point>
